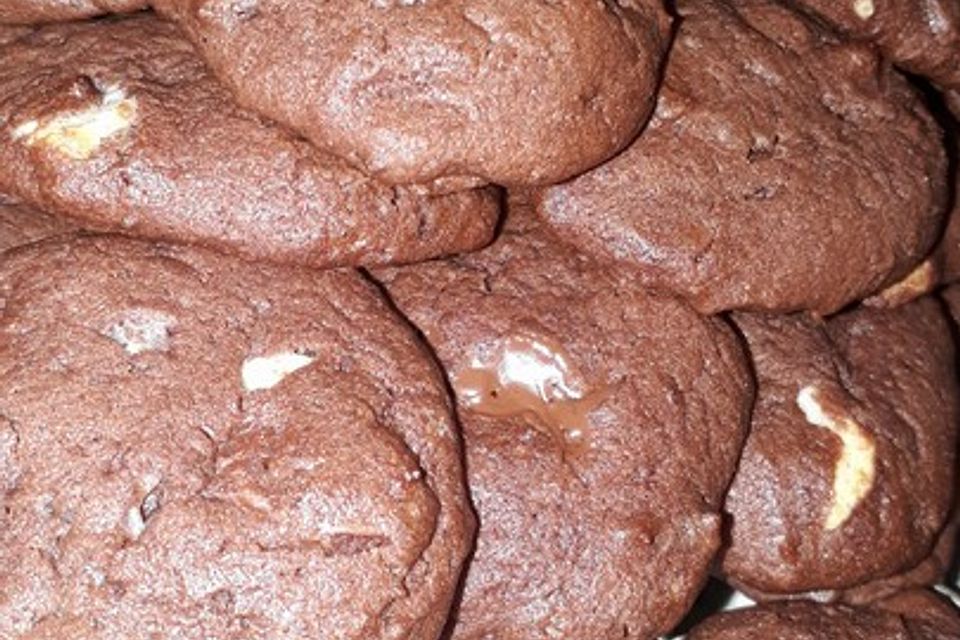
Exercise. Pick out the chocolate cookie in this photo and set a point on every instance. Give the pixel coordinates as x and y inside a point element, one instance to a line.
<point>118,124</point>
<point>782,170</point>
<point>931,571</point>
<point>20,224</point>
<point>947,254</point>
<point>196,447</point>
<point>923,617</point>
<point>921,36</point>
<point>925,612</point>
<point>951,295</point>
<point>450,93</point>
<point>602,425</point>
<point>942,267</point>
<point>37,11</point>
<point>952,98</point>
<point>9,33</point>
<point>847,476</point>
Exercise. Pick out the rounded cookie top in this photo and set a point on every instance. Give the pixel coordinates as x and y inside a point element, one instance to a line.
<point>20,224</point>
<point>39,11</point>
<point>917,616</point>
<point>601,424</point>
<point>941,267</point>
<point>932,570</point>
<point>847,475</point>
<point>782,170</point>
<point>119,124</point>
<point>193,447</point>
<point>455,92</point>
<point>921,36</point>
<point>927,613</point>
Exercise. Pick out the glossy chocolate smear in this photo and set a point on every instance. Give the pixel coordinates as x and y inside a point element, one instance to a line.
<point>532,377</point>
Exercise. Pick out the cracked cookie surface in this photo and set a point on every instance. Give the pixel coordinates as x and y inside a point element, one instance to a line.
<point>195,447</point>
<point>782,170</point>
<point>118,124</point>
<point>41,11</point>
<point>912,615</point>
<point>921,36</point>
<point>847,476</point>
<point>444,93</point>
<point>602,425</point>
<point>21,224</point>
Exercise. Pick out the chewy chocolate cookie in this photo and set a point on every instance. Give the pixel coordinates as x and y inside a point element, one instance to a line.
<point>20,224</point>
<point>933,570</point>
<point>782,170</point>
<point>196,447</point>
<point>449,93</point>
<point>602,425</point>
<point>38,11</point>
<point>921,36</point>
<point>848,473</point>
<point>911,616</point>
<point>118,124</point>
<point>941,267</point>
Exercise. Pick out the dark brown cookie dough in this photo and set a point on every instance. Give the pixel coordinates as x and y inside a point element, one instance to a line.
<point>847,476</point>
<point>782,170</point>
<point>38,11</point>
<point>951,295</point>
<point>946,256</point>
<point>195,447</point>
<point>914,616</point>
<point>20,224</point>
<point>9,33</point>
<point>925,612</point>
<point>120,125</point>
<point>931,571</point>
<point>602,425</point>
<point>455,92</point>
<point>941,267</point>
<point>921,36</point>
<point>952,98</point>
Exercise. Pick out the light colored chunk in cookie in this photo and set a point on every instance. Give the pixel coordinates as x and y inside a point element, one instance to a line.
<point>79,134</point>
<point>265,372</point>
<point>856,467</point>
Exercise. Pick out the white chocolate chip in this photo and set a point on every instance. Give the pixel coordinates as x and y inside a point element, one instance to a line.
<point>79,134</point>
<point>252,499</point>
<point>266,372</point>
<point>96,576</point>
<point>920,281</point>
<point>140,330</point>
<point>135,523</point>
<point>864,9</point>
<point>28,128</point>
<point>855,468</point>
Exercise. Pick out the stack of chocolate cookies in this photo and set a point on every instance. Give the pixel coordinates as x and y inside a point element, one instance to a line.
<point>478,319</point>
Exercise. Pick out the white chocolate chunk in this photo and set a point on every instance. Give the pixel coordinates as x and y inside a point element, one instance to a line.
<point>135,524</point>
<point>920,281</point>
<point>79,134</point>
<point>140,330</point>
<point>864,9</point>
<point>95,575</point>
<point>266,372</point>
<point>855,468</point>
<point>251,499</point>
<point>28,128</point>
